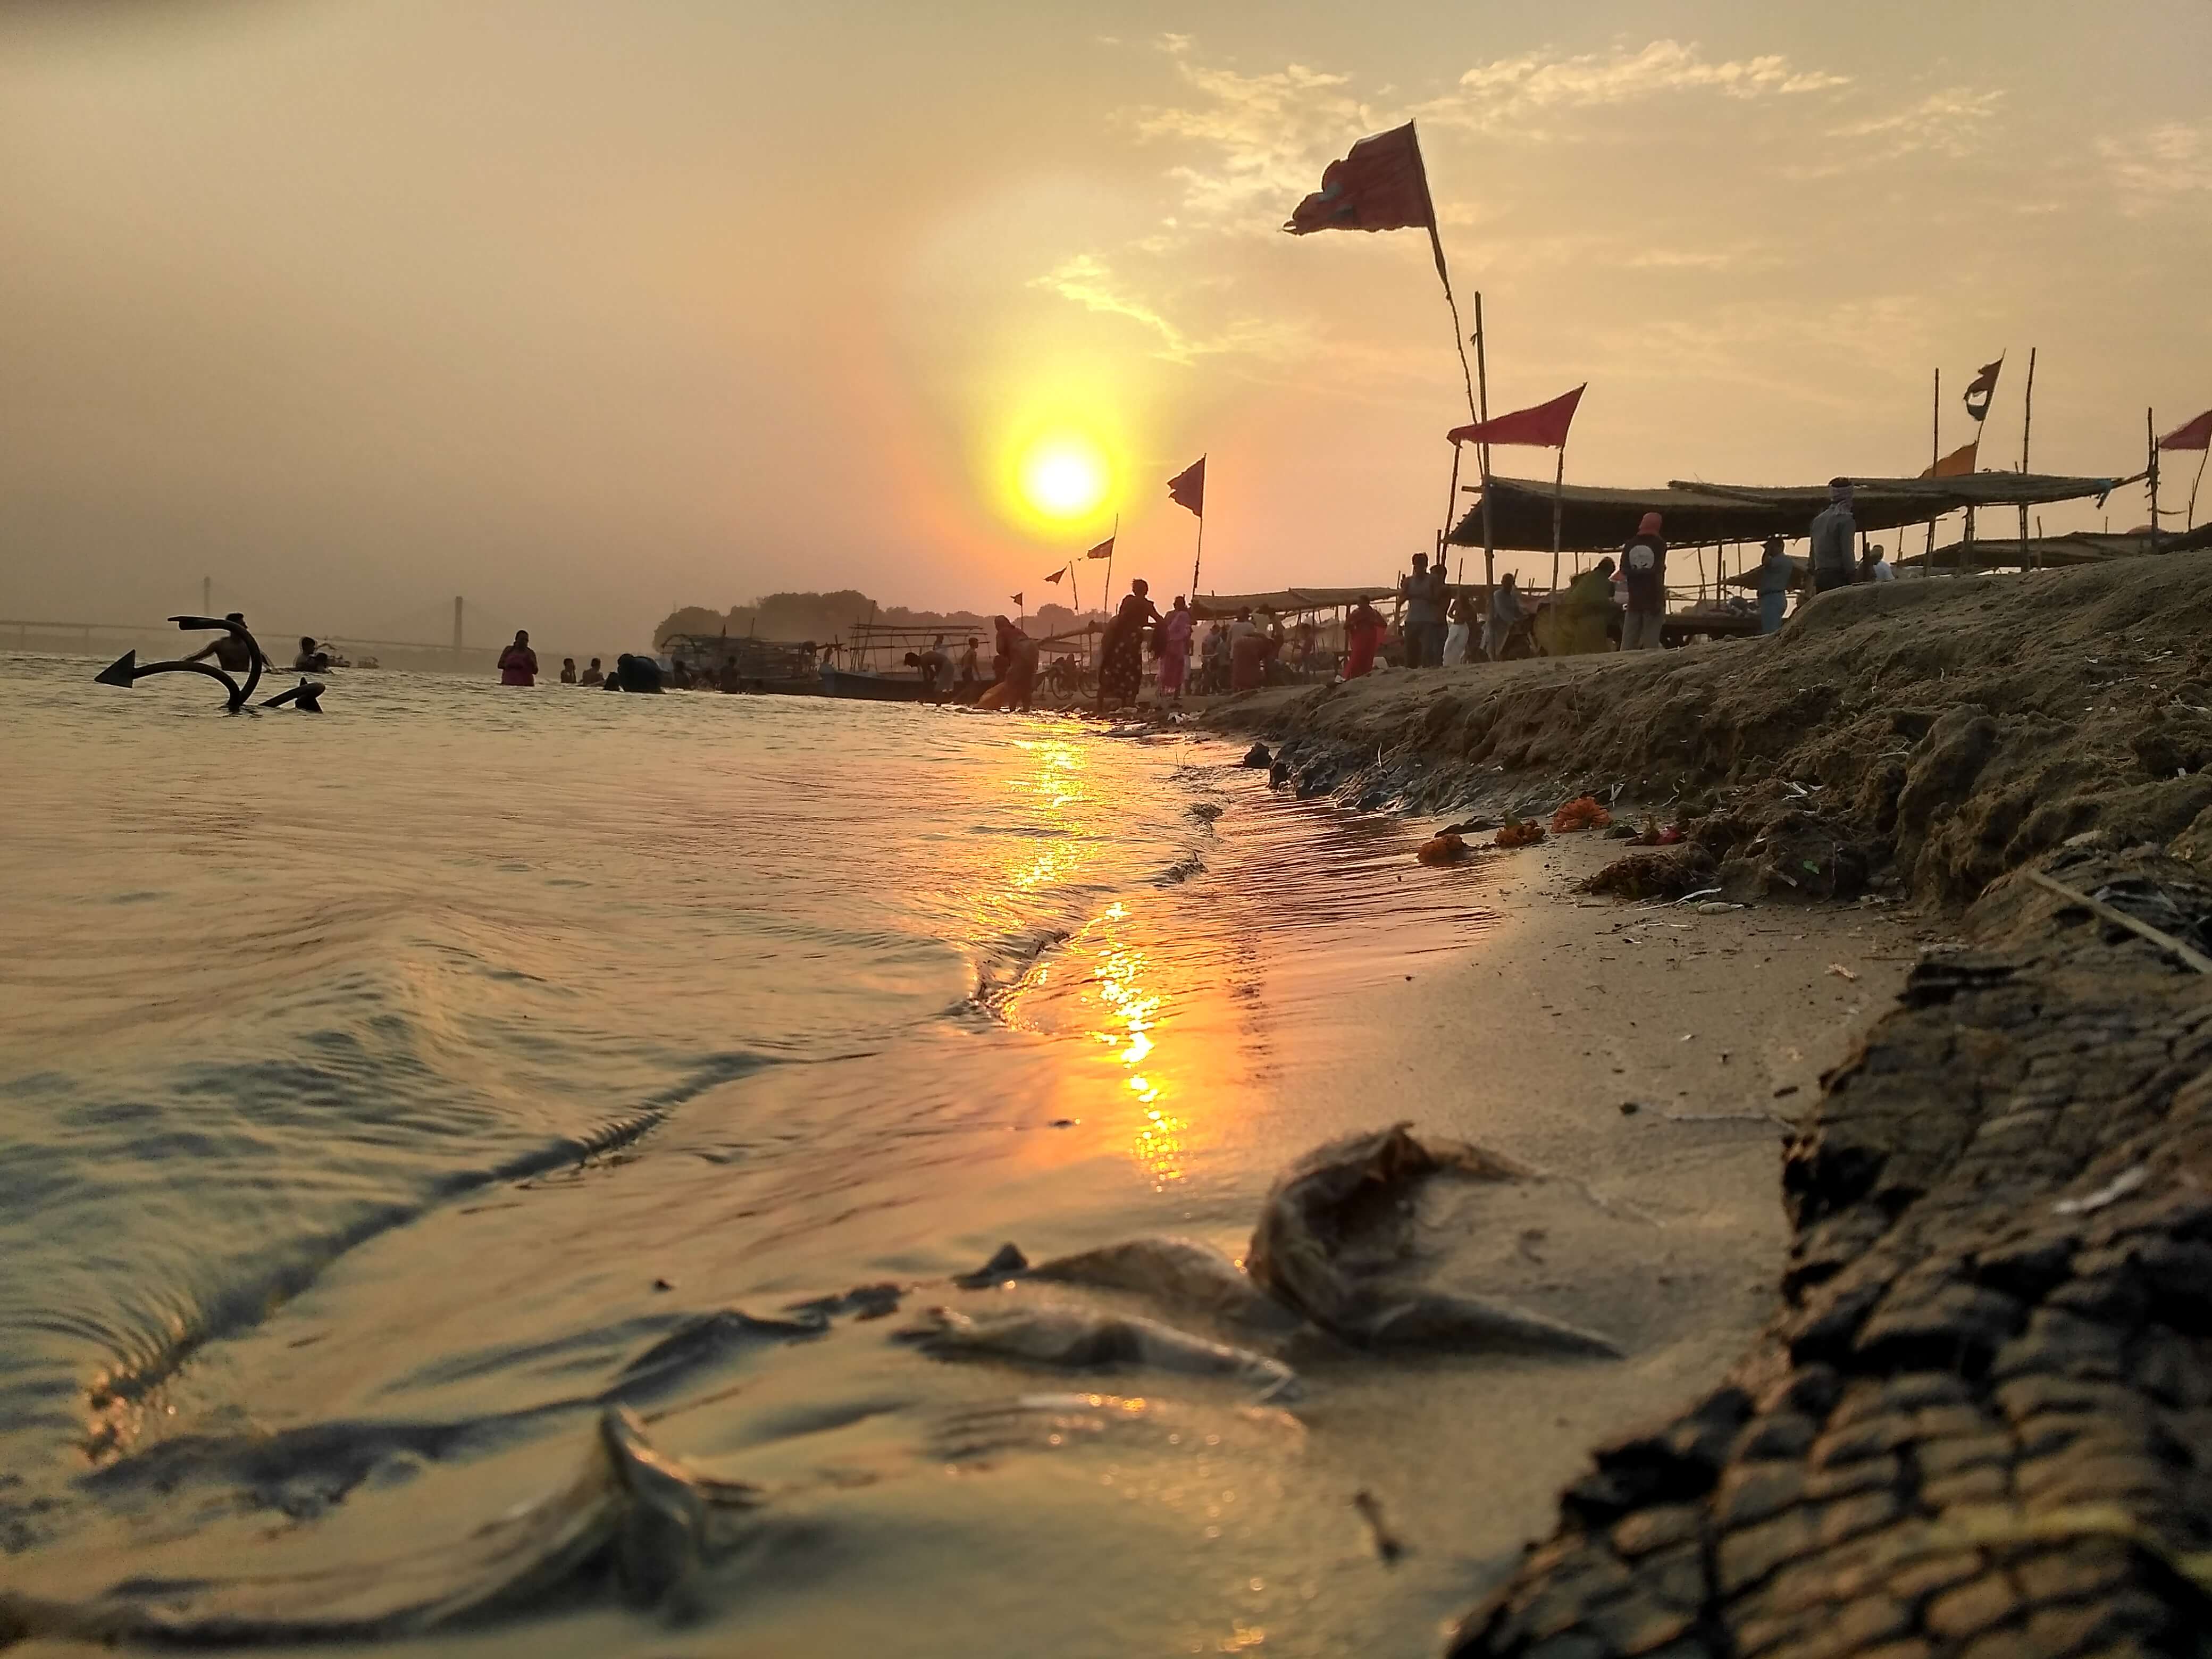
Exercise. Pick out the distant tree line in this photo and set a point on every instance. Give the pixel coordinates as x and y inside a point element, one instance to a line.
<point>824,616</point>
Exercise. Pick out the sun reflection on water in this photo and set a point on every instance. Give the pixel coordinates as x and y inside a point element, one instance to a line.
<point>1125,982</point>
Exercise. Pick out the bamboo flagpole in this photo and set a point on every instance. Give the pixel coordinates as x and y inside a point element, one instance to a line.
<point>1482,450</point>
<point>2027,422</point>
<point>1558,506</point>
<point>1187,489</point>
<point>2150,436</point>
<point>1935,459</point>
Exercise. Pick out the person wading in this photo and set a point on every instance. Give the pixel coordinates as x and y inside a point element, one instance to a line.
<point>518,663</point>
<point>228,650</point>
<point>1834,535</point>
<point>1644,562</point>
<point>1121,652</point>
<point>1174,636</point>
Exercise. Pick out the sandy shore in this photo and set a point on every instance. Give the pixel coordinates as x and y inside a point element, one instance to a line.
<point>1972,1420</point>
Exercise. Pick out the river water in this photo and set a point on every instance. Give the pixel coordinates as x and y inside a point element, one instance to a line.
<point>416,1067</point>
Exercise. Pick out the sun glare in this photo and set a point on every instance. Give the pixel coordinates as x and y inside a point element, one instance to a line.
<point>1065,477</point>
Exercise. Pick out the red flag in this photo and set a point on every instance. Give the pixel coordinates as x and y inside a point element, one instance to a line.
<point>1380,185</point>
<point>2197,435</point>
<point>1544,427</point>
<point>1187,487</point>
<point>1054,578</point>
<point>1980,390</point>
<point>1017,600</point>
<point>1104,550</point>
<point>1959,463</point>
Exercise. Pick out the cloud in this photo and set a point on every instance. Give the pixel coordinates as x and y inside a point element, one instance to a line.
<point>1089,282</point>
<point>1271,134</point>
<point>1952,122</point>
<point>2158,163</point>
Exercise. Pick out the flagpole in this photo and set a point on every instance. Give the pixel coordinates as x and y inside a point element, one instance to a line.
<point>1934,458</point>
<point>1196,558</point>
<point>2026,424</point>
<point>1482,450</point>
<point>1113,546</point>
<point>1559,505</point>
<point>2150,436</point>
<point>2202,455</point>
<point>1075,582</point>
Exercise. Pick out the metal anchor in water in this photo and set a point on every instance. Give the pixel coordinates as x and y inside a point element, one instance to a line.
<point>127,671</point>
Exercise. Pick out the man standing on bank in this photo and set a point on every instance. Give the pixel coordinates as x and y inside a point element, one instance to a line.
<point>1835,536</point>
<point>1424,594</point>
<point>1643,563</point>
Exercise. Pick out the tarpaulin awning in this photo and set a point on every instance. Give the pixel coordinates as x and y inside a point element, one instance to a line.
<point>1289,601</point>
<point>1592,518</point>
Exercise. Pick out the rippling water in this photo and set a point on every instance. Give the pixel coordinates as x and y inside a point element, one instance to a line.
<point>375,1065</point>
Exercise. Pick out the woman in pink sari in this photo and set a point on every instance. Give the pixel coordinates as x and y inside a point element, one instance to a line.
<point>1174,636</point>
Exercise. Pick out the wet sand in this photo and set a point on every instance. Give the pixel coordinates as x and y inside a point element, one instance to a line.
<point>1025,1518</point>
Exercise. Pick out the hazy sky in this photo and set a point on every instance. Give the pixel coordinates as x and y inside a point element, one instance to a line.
<point>582,310</point>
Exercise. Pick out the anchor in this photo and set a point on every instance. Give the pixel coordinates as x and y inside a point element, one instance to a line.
<point>127,671</point>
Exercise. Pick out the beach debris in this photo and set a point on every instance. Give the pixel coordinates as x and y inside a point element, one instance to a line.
<point>1662,875</point>
<point>1279,773</point>
<point>2187,954</point>
<point>1519,832</point>
<point>1006,1262</point>
<point>1630,1107</point>
<point>1180,1273</point>
<point>1619,831</point>
<point>1077,1338</point>
<point>1389,1546</point>
<point>701,1342</point>
<point>1338,1237</point>
<point>1842,972</point>
<point>1445,849</point>
<point>1785,1092</point>
<point>2128,1180</point>
<point>1583,812</point>
<point>862,1302</point>
<point>1716,908</point>
<point>653,1519</point>
<point>1469,827</point>
<point>664,1284</point>
<point>1063,1123</point>
<point>1257,756</point>
<point>1208,810</point>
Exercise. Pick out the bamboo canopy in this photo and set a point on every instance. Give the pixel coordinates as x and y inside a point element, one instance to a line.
<point>1592,518</point>
<point>1289,601</point>
<point>2082,547</point>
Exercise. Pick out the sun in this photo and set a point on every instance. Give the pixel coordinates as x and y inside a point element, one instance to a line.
<point>1065,477</point>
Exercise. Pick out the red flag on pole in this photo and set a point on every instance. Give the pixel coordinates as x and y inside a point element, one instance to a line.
<point>1543,427</point>
<point>1017,600</point>
<point>2197,435</point>
<point>1188,487</point>
<point>1983,387</point>
<point>1104,550</point>
<point>1959,463</point>
<point>1380,185</point>
<point>1054,578</point>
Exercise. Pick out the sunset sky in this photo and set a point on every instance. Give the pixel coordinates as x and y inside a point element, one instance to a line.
<point>585,310</point>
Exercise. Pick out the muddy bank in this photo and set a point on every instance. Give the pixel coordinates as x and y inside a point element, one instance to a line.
<point>1982,1419</point>
<point>1928,735</point>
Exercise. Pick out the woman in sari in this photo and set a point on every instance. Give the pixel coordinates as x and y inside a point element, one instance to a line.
<point>1121,652</point>
<point>1174,636</point>
<point>1015,661</point>
<point>1363,633</point>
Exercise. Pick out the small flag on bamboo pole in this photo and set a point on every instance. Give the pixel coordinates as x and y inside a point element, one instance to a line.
<point>1188,487</point>
<point>1104,550</point>
<point>1544,426</point>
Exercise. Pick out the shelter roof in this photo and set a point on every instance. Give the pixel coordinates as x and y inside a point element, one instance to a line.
<point>1288,601</point>
<point>2082,547</point>
<point>1591,518</point>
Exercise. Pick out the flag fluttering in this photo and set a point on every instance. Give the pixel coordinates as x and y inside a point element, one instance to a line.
<point>1544,426</point>
<point>1980,390</point>
<point>1380,185</point>
<point>1104,550</point>
<point>1054,578</point>
<point>1959,463</point>
<point>1017,600</point>
<point>2196,435</point>
<point>1188,487</point>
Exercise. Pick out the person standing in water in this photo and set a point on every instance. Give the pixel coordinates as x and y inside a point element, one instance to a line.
<point>1643,561</point>
<point>518,663</point>
<point>970,669</point>
<point>1122,649</point>
<point>1775,572</point>
<point>228,650</point>
<point>595,675</point>
<point>568,671</point>
<point>1174,636</point>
